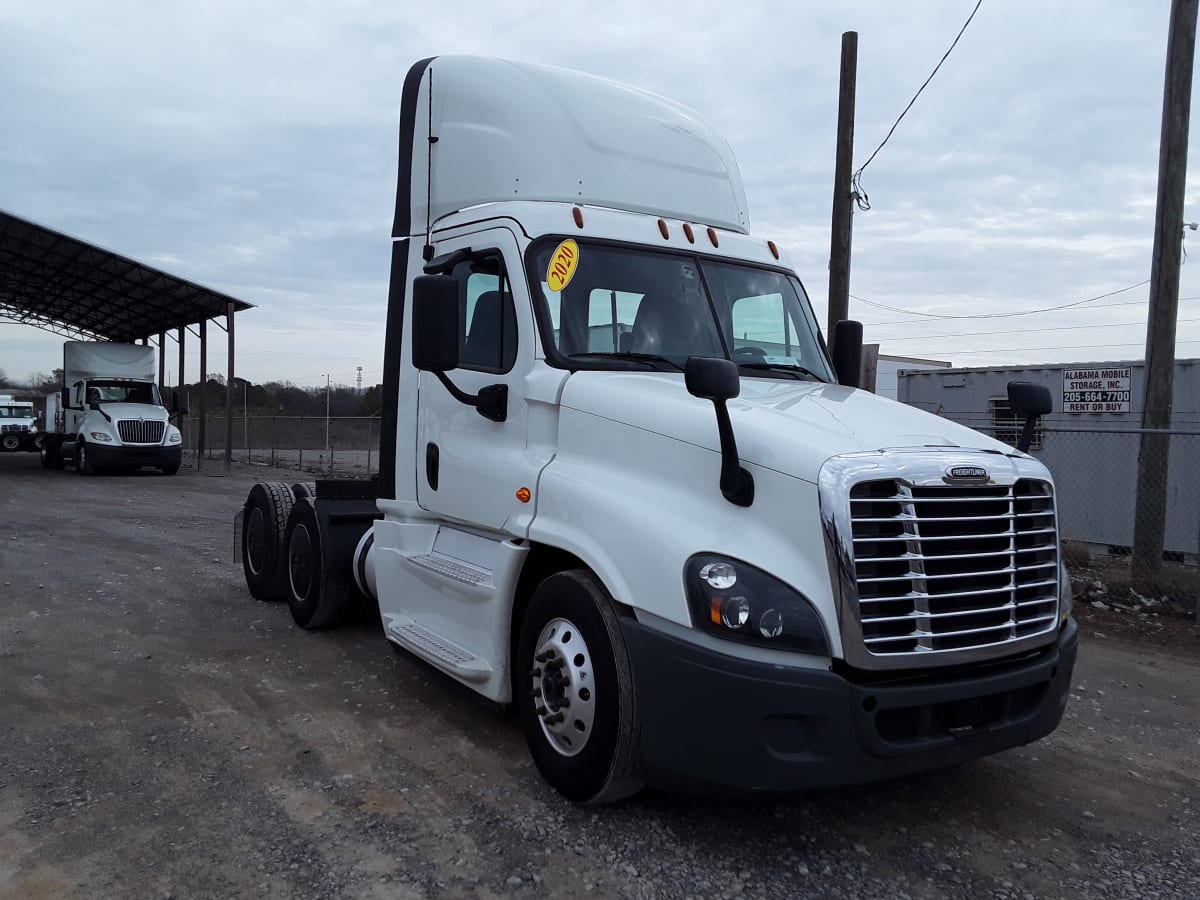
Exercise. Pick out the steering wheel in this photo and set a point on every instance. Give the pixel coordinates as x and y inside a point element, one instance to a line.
<point>758,353</point>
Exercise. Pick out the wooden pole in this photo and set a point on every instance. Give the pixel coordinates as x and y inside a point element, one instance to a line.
<point>843,200</point>
<point>1150,517</point>
<point>229,392</point>
<point>202,423</point>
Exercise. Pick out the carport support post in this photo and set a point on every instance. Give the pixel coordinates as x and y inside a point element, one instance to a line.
<point>202,425</point>
<point>162,361</point>
<point>229,392</point>
<point>179,383</point>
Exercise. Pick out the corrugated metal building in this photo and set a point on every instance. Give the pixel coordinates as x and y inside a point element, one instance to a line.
<point>1089,442</point>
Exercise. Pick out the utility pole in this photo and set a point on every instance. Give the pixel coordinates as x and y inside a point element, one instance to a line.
<point>1150,518</point>
<point>328,461</point>
<point>843,196</point>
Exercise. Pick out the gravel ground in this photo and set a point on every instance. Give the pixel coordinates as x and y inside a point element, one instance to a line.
<point>162,734</point>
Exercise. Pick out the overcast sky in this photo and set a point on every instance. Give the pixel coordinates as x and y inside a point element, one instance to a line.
<point>251,146</point>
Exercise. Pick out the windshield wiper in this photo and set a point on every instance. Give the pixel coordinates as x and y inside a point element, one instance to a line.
<point>792,369</point>
<point>647,358</point>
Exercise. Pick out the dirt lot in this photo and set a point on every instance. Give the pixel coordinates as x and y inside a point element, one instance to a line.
<point>162,734</point>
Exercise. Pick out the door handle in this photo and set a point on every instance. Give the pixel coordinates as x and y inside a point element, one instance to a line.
<point>431,465</point>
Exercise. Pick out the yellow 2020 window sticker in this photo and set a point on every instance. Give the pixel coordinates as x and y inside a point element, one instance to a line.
<point>563,264</point>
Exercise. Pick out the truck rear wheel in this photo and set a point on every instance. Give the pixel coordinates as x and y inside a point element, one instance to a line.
<point>264,524</point>
<point>574,690</point>
<point>317,596</point>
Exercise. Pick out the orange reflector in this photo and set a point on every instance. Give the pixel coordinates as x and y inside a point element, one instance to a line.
<point>688,233</point>
<point>714,612</point>
<point>577,213</point>
<point>774,250</point>
<point>523,494</point>
<point>712,236</point>
<point>662,227</point>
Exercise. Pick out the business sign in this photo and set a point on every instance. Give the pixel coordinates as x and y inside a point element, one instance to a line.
<point>1096,390</point>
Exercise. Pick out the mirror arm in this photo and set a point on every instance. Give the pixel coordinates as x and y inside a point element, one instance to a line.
<point>737,484</point>
<point>491,402</point>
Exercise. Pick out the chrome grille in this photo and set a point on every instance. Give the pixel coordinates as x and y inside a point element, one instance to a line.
<point>945,568</point>
<point>6,428</point>
<point>135,432</point>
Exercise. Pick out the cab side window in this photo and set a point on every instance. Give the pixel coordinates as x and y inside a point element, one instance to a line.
<point>488,342</point>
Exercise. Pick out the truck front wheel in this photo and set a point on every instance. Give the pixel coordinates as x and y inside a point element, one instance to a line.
<point>574,690</point>
<point>83,460</point>
<point>318,596</point>
<point>10,442</point>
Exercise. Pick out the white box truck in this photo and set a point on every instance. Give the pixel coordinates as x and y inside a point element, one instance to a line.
<point>109,414</point>
<point>624,488</point>
<point>18,425</point>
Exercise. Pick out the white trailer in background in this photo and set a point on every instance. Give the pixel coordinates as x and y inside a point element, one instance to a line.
<point>623,489</point>
<point>109,414</point>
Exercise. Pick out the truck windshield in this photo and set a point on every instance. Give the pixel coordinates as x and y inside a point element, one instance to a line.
<point>123,392</point>
<point>629,308</point>
<point>16,412</point>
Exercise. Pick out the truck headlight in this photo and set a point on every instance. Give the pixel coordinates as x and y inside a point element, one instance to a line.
<point>100,436</point>
<point>173,436</point>
<point>737,602</point>
<point>1066,599</point>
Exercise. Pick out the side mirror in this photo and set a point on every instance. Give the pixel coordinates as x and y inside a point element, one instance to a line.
<point>1028,401</point>
<point>711,379</point>
<point>435,325</point>
<point>717,380</point>
<point>64,398</point>
<point>179,403</point>
<point>846,351</point>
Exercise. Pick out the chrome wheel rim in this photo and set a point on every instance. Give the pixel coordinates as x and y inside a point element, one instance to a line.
<point>563,686</point>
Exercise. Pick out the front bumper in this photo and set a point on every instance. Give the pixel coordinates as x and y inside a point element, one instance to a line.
<point>122,456</point>
<point>716,723</point>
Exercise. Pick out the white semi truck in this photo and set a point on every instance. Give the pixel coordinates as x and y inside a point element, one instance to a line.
<point>625,488</point>
<point>18,425</point>
<point>109,414</point>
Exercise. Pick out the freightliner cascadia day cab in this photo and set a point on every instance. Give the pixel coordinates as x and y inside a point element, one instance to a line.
<point>623,490</point>
<point>18,425</point>
<point>109,413</point>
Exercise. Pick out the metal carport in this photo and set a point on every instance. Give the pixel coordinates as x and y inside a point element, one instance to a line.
<point>67,286</point>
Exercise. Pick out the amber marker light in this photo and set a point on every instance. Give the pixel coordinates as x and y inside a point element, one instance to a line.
<point>577,214</point>
<point>688,233</point>
<point>774,250</point>
<point>524,494</point>
<point>714,612</point>
<point>712,235</point>
<point>662,227</point>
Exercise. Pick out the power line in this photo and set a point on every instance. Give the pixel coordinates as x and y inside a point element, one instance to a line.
<point>1075,347</point>
<point>938,337</point>
<point>1099,306</point>
<point>860,196</point>
<point>1008,315</point>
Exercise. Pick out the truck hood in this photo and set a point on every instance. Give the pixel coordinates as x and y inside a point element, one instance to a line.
<point>144,411</point>
<point>790,426</point>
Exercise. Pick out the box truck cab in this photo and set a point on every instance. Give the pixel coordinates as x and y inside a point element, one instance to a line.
<point>623,489</point>
<point>109,415</point>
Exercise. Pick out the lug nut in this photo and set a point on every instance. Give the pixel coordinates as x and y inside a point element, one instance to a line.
<point>540,710</point>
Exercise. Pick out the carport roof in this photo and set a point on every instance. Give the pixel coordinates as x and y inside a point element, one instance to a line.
<point>62,284</point>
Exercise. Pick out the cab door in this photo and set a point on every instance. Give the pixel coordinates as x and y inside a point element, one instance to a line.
<point>469,467</point>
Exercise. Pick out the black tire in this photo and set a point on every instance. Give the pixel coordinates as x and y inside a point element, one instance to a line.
<point>571,648</point>
<point>38,441</point>
<point>10,442</point>
<point>51,453</point>
<point>317,597</point>
<point>264,525</point>
<point>304,489</point>
<point>83,461</point>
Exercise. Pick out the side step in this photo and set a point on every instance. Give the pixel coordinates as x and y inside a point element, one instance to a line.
<point>437,650</point>
<point>451,568</point>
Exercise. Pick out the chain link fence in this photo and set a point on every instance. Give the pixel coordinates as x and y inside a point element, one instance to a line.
<point>340,445</point>
<point>1096,472</point>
